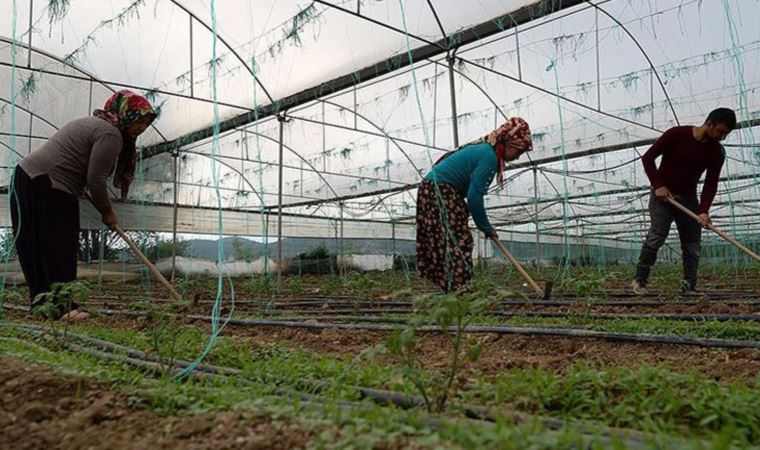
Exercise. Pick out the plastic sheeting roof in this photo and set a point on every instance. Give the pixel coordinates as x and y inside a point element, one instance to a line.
<point>591,80</point>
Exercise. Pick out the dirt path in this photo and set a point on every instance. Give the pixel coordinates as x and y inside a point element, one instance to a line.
<point>43,410</point>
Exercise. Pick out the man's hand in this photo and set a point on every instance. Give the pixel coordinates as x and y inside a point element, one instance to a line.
<point>109,219</point>
<point>663,193</point>
<point>493,236</point>
<point>704,220</point>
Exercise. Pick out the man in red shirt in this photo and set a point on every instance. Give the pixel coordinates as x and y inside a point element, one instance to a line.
<point>687,152</point>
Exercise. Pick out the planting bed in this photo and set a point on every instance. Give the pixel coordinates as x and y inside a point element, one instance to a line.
<point>325,362</point>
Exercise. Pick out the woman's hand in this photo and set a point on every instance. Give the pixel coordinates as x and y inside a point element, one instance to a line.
<point>109,219</point>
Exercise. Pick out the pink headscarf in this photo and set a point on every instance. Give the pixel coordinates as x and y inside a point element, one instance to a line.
<point>514,130</point>
<point>121,110</point>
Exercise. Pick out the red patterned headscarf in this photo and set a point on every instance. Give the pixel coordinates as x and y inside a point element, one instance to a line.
<point>121,110</point>
<point>514,130</point>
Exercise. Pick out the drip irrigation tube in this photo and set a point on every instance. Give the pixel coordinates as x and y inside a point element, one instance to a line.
<point>594,316</point>
<point>473,329</point>
<point>482,415</point>
<point>548,303</point>
<point>536,331</point>
<point>747,298</point>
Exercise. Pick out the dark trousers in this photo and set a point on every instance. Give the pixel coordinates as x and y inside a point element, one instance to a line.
<point>46,226</point>
<point>662,215</point>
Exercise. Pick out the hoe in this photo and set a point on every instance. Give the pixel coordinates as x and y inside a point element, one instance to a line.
<point>543,294</point>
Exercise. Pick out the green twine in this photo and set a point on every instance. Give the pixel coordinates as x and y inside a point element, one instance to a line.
<point>565,237</point>
<point>11,167</point>
<point>216,327</point>
<point>443,212</point>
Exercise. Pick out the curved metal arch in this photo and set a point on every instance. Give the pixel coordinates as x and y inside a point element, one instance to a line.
<point>92,77</point>
<point>556,95</point>
<point>387,136</point>
<point>11,149</point>
<point>30,112</point>
<point>505,116</point>
<point>229,47</point>
<point>314,169</point>
<point>437,19</point>
<point>651,65</point>
<point>253,189</point>
<point>379,129</point>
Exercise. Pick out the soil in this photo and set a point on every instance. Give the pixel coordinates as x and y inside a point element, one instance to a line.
<point>505,352</point>
<point>42,409</point>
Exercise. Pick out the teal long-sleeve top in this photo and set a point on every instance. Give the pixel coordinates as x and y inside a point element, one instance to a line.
<point>470,171</point>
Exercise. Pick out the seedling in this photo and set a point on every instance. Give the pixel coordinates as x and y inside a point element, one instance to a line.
<point>451,313</point>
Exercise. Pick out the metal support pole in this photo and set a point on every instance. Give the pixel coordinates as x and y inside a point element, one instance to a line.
<point>535,219</point>
<point>651,94</point>
<point>356,114</point>
<point>481,246</point>
<point>393,239</point>
<point>101,253</point>
<point>598,70</point>
<point>89,101</point>
<point>31,132</point>
<point>454,121</point>
<point>337,248</point>
<point>192,77</point>
<point>435,101</point>
<point>517,48</point>
<point>342,246</point>
<point>281,119</point>
<point>175,160</point>
<point>29,40</point>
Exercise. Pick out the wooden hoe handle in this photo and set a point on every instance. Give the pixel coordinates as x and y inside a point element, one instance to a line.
<point>717,230</point>
<point>142,258</point>
<point>147,263</point>
<point>518,266</point>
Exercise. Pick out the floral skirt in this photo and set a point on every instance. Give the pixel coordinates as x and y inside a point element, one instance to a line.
<point>444,241</point>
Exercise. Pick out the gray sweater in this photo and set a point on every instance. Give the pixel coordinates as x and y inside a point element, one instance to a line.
<point>81,154</point>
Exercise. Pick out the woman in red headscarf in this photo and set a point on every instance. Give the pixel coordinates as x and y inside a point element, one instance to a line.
<point>48,182</point>
<point>454,190</point>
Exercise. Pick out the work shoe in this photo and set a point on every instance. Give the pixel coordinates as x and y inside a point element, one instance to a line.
<point>638,288</point>
<point>690,290</point>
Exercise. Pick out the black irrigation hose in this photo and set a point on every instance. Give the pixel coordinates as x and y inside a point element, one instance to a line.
<point>579,302</point>
<point>728,297</point>
<point>475,329</point>
<point>327,315</point>
<point>481,415</point>
<point>593,316</point>
<point>628,303</point>
<point>479,329</point>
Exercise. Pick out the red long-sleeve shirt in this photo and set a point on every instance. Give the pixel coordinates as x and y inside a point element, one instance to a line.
<point>684,160</point>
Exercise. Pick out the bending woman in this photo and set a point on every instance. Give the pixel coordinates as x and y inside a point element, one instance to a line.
<point>444,241</point>
<point>49,181</point>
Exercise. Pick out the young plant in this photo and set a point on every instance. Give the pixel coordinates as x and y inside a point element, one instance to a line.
<point>164,333</point>
<point>261,285</point>
<point>295,286</point>
<point>59,301</point>
<point>586,285</point>
<point>452,314</point>
<point>331,285</point>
